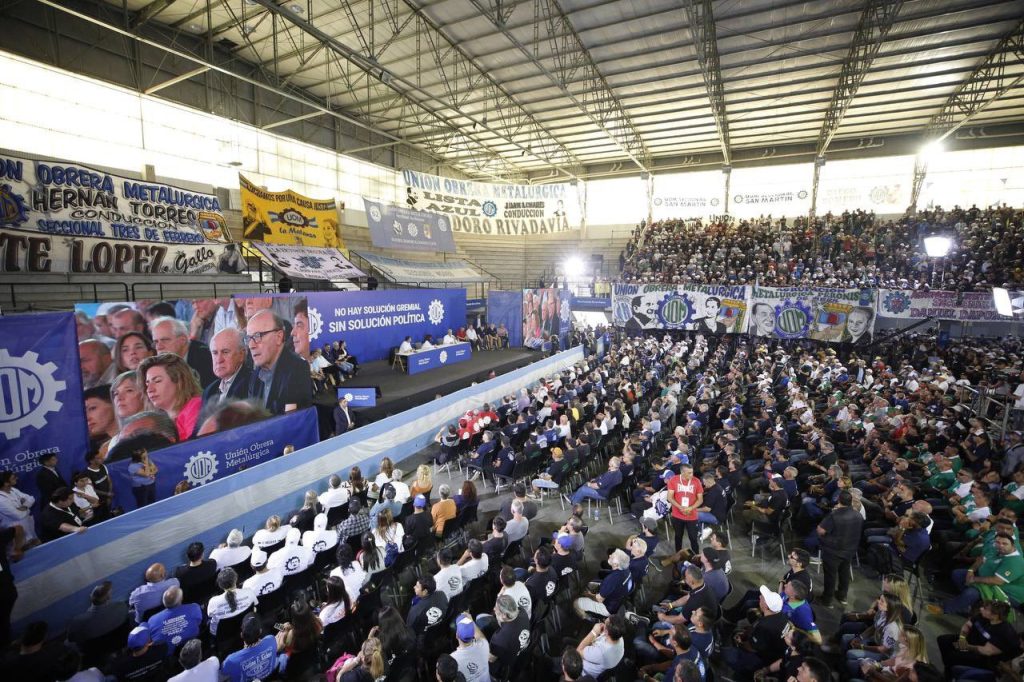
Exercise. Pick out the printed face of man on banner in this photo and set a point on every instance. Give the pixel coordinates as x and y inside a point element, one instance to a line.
<point>763,320</point>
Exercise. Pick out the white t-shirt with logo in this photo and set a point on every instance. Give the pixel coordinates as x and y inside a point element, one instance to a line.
<point>474,661</point>
<point>449,580</point>
<point>521,595</point>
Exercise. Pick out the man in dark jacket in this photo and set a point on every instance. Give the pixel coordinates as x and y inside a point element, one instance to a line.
<point>840,535</point>
<point>285,375</point>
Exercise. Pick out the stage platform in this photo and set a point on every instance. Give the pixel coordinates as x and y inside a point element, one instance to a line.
<point>401,391</point>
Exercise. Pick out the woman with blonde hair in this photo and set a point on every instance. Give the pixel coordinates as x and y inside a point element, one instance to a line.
<point>911,650</point>
<point>128,399</point>
<point>365,667</point>
<point>424,483</point>
<point>273,533</point>
<point>171,386</point>
<point>306,514</point>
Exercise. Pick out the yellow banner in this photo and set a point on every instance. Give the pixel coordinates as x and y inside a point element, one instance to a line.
<point>288,218</point>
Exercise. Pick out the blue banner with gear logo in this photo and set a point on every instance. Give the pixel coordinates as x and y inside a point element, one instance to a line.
<point>197,462</point>
<point>372,323</point>
<point>41,409</point>
<point>398,227</point>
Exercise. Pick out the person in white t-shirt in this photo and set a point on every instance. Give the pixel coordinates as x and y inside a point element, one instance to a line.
<point>320,539</point>
<point>264,580</point>
<point>231,602</point>
<point>293,557</point>
<point>406,345</point>
<point>474,653</point>
<point>335,495</point>
<point>273,533</point>
<point>515,589</point>
<point>427,345</point>
<point>402,492</point>
<point>350,571</point>
<point>603,647</point>
<point>195,669</point>
<point>233,552</point>
<point>448,339</point>
<point>474,562</point>
<point>449,578</point>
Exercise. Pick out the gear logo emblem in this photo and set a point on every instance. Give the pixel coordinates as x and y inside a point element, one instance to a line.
<point>28,392</point>
<point>201,468</point>
<point>316,323</point>
<point>435,312</point>
<point>793,319</point>
<point>443,357</point>
<point>375,213</point>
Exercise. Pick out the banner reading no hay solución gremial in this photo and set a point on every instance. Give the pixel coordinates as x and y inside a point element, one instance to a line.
<point>496,210</point>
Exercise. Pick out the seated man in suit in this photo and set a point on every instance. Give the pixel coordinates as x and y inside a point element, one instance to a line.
<point>284,375</point>
<point>235,380</point>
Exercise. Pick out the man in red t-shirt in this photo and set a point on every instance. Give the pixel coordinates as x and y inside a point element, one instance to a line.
<point>686,495</point>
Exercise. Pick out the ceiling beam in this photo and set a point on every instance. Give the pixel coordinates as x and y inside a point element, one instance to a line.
<point>571,61</point>
<point>983,86</point>
<point>150,11</point>
<point>705,41</point>
<point>198,71</point>
<point>876,21</point>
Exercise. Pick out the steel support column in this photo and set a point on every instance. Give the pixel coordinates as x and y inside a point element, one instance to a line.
<point>985,85</point>
<point>876,20</point>
<point>701,18</point>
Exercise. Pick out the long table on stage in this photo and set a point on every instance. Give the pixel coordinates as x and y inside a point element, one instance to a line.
<point>438,356</point>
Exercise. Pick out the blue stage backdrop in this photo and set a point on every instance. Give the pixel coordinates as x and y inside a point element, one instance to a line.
<point>41,407</point>
<point>506,307</point>
<point>197,462</point>
<point>373,322</point>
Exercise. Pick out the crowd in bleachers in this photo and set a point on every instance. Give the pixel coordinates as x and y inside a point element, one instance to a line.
<point>854,249</point>
<point>870,468</point>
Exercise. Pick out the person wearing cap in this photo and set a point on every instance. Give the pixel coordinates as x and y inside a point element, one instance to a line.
<point>177,623</point>
<point>142,660</point>
<point>264,579</point>
<point>563,560</point>
<point>257,659</point>
<point>764,644</point>
<point>320,539</point>
<point>473,654</point>
<point>388,500</point>
<point>443,510</point>
<point>233,552</point>
<point>194,667</point>
<point>102,617</point>
<point>419,526</point>
<point>293,557</point>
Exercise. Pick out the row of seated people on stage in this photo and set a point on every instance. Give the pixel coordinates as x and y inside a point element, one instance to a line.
<point>852,249</point>
<point>884,463</point>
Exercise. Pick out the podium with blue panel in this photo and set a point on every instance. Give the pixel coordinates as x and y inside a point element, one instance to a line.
<point>439,356</point>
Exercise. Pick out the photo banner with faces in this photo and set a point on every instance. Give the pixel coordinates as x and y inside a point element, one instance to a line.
<point>711,308</point>
<point>288,217</point>
<point>40,399</point>
<point>495,210</point>
<point>65,199</point>
<point>973,306</point>
<point>546,313</point>
<point>398,227</point>
<point>820,313</point>
<point>212,383</point>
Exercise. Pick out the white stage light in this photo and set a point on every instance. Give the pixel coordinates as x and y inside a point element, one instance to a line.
<point>573,267</point>
<point>937,247</point>
<point>932,149</point>
<point>1001,297</point>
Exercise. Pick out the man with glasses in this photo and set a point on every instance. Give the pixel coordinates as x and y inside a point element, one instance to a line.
<point>285,375</point>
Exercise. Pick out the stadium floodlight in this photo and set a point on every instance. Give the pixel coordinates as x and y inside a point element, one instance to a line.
<point>573,267</point>
<point>1001,298</point>
<point>931,150</point>
<point>937,247</point>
